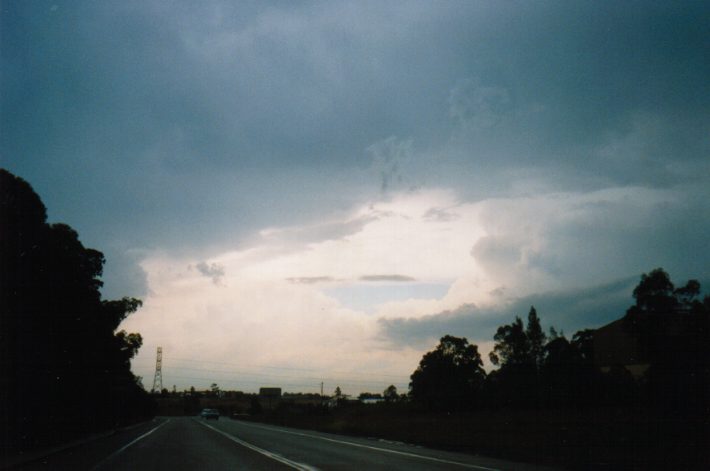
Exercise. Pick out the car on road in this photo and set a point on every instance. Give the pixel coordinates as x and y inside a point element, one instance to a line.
<point>210,414</point>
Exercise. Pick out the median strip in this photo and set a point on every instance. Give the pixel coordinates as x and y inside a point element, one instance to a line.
<point>273,456</point>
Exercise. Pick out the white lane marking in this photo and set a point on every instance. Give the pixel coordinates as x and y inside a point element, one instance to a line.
<point>403,453</point>
<point>273,456</point>
<point>123,448</point>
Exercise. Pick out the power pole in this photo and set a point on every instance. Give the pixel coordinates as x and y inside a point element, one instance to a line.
<point>158,379</point>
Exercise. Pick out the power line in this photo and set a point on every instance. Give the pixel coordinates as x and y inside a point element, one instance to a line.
<point>289,378</point>
<point>243,373</point>
<point>312,370</point>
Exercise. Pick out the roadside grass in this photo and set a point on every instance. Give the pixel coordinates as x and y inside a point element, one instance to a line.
<point>599,438</point>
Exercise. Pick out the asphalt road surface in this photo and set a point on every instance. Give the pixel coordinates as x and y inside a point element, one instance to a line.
<point>187,443</point>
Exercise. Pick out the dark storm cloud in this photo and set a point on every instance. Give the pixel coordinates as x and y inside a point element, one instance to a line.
<point>568,311</point>
<point>587,239</point>
<point>188,126</point>
<point>127,276</point>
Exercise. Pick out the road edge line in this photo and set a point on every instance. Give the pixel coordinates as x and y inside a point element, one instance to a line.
<point>396,452</point>
<point>124,447</point>
<point>32,456</point>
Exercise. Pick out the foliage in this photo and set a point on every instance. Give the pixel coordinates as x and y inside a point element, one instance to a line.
<point>519,346</point>
<point>520,352</point>
<point>63,365</point>
<point>450,377</point>
<point>672,326</point>
<point>390,394</point>
<point>536,338</point>
<point>511,347</point>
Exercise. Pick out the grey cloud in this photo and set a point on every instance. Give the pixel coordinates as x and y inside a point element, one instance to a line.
<point>440,215</point>
<point>465,321</point>
<point>123,276</point>
<point>388,158</point>
<point>474,105</point>
<point>588,238</point>
<point>570,311</point>
<point>308,234</point>
<point>308,280</point>
<point>493,251</point>
<point>396,278</point>
<point>214,271</point>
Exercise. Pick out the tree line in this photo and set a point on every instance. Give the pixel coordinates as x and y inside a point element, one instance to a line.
<point>64,367</point>
<point>670,330</point>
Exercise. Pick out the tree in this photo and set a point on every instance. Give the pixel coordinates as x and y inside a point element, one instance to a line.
<point>655,293</point>
<point>516,345</point>
<point>450,377</point>
<point>568,375</point>
<point>536,338</point>
<point>520,353</point>
<point>390,394</point>
<point>511,345</point>
<point>583,343</point>
<point>672,328</point>
<point>55,331</point>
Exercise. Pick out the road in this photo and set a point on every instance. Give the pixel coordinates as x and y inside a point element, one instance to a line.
<point>189,443</point>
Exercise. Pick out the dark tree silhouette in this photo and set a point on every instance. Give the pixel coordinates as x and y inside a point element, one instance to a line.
<point>655,293</point>
<point>673,329</point>
<point>520,353</point>
<point>516,345</point>
<point>583,342</point>
<point>511,347</point>
<point>536,338</point>
<point>390,394</point>
<point>63,367</point>
<point>450,377</point>
<point>568,375</point>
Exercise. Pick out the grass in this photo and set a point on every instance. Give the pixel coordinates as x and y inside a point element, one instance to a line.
<point>599,438</point>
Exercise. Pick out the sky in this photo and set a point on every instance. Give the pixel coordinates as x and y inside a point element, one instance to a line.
<point>316,192</point>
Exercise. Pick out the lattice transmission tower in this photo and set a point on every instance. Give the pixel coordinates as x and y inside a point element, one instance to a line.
<point>158,379</point>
